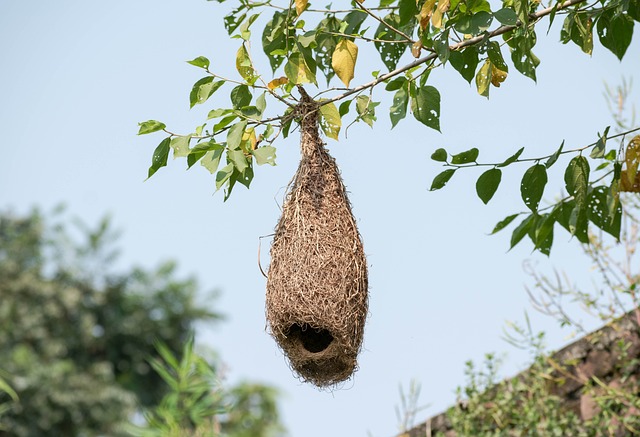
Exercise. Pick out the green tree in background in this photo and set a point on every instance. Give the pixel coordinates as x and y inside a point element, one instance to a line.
<point>78,342</point>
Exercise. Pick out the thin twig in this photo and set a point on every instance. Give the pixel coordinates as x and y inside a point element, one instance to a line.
<point>384,23</point>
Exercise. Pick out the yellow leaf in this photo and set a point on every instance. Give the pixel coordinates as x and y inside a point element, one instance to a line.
<point>330,121</point>
<point>443,6</point>
<point>301,5</point>
<point>275,83</point>
<point>425,13</point>
<point>244,66</point>
<point>483,79</point>
<point>249,136</point>
<point>344,59</point>
<point>497,76</point>
<point>632,159</point>
<point>416,48</point>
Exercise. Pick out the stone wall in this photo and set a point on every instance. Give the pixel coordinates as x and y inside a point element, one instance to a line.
<point>595,355</point>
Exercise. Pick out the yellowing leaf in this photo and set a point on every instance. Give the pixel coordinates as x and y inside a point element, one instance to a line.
<point>244,66</point>
<point>425,13</point>
<point>483,79</point>
<point>497,76</point>
<point>275,83</point>
<point>436,19</point>
<point>632,159</point>
<point>297,70</point>
<point>416,48</point>
<point>249,136</point>
<point>330,121</point>
<point>301,5</point>
<point>344,59</point>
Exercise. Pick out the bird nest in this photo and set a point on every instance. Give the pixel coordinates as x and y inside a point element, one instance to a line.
<point>317,298</point>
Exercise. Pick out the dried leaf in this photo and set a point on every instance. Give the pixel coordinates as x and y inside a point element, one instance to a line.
<point>301,5</point>
<point>436,19</point>
<point>425,13</point>
<point>275,83</point>
<point>416,48</point>
<point>632,159</point>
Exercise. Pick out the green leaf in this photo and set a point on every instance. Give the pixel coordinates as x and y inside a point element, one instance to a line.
<point>495,56</point>
<point>366,109</point>
<point>180,146</point>
<point>426,106</point>
<point>577,182</point>
<point>465,62</point>
<point>521,230</point>
<point>598,212</point>
<point>503,223</point>
<point>240,96</point>
<point>521,8</point>
<point>513,158</point>
<point>553,158</point>
<point>200,61</point>
<point>521,41</point>
<point>543,235</point>
<point>326,44</point>
<point>598,151</point>
<point>330,121</point>
<point>441,179</point>
<point>238,158</point>
<point>277,37</point>
<point>396,84</point>
<point>578,27</point>
<point>488,183</point>
<point>506,16</point>
<point>407,10</point>
<point>211,159</point>
<point>149,126</point>
<point>344,108</point>
<point>160,156</point>
<point>576,176</point>
<point>234,136</point>
<point>532,186</point>
<point>398,110</point>
<point>465,157</point>
<point>441,46</point>
<point>200,151</point>
<point>474,24</point>
<point>244,65</point>
<point>439,155</point>
<point>265,155</point>
<point>615,31</point>
<point>203,89</point>
<point>298,71</point>
<point>391,52</point>
<point>223,175</point>
<point>261,103</point>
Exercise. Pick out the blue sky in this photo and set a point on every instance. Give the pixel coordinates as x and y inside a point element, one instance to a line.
<point>78,76</point>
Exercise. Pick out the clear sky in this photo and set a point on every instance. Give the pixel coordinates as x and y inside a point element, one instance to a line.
<point>77,76</point>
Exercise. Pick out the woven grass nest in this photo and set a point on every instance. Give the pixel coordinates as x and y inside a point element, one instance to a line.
<point>317,298</point>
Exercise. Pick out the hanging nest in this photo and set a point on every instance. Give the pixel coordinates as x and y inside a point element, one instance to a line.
<point>317,282</point>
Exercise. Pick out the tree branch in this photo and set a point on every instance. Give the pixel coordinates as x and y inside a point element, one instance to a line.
<point>470,42</point>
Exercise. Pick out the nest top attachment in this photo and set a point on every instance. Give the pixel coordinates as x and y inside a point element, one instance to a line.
<point>317,288</point>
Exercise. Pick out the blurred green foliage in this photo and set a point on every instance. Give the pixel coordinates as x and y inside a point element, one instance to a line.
<point>79,342</point>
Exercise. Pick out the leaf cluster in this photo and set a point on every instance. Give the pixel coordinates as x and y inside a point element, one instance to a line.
<point>592,197</point>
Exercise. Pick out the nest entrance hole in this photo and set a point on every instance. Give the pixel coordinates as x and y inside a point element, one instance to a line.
<point>313,340</point>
